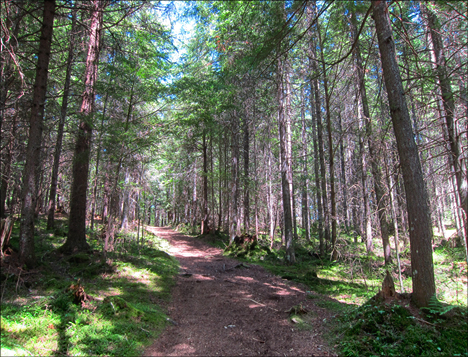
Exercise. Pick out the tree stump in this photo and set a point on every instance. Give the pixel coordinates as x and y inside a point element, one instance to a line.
<point>6,226</point>
<point>246,241</point>
<point>388,289</point>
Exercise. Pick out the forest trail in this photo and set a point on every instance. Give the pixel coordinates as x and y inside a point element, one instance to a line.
<point>221,308</point>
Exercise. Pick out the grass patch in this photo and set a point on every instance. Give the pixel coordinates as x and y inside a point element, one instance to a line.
<point>39,317</point>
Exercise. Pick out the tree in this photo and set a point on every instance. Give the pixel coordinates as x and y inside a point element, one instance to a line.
<point>449,109</point>
<point>63,115</point>
<point>31,168</point>
<point>416,195</point>
<point>373,149</point>
<point>76,239</point>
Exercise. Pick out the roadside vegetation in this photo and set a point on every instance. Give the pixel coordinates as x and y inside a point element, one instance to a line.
<point>364,325</point>
<point>80,304</point>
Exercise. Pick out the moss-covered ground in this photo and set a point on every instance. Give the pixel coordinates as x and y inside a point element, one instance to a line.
<point>127,293</point>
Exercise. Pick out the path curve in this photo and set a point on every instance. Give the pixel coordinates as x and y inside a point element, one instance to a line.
<point>221,310</point>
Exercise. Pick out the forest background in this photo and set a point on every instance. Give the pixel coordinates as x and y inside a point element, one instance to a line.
<point>322,123</point>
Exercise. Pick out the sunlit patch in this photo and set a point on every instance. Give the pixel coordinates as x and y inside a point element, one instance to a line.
<point>201,277</point>
<point>244,278</point>
<point>184,348</point>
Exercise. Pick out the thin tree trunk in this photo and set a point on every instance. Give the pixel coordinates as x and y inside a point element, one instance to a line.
<point>449,109</point>
<point>7,78</point>
<point>305,174</point>
<point>331,166</point>
<point>271,206</point>
<point>373,150</point>
<point>204,222</point>
<point>220,181</point>
<point>343,176</point>
<point>317,138</point>
<point>246,174</point>
<point>98,159</point>
<point>63,115</point>
<point>5,179</point>
<point>33,151</point>
<point>318,156</point>
<point>234,178</point>
<point>395,225</point>
<point>285,166</point>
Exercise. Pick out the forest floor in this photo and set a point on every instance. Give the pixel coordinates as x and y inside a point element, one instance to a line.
<point>220,306</point>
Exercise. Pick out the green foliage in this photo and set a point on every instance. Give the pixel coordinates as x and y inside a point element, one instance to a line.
<point>390,329</point>
<point>437,308</point>
<point>122,317</point>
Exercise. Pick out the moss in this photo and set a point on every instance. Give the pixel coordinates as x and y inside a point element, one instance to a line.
<point>378,328</point>
<point>115,305</point>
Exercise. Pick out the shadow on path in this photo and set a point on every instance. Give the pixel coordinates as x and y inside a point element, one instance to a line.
<point>220,308</point>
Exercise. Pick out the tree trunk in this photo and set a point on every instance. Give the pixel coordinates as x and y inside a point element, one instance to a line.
<point>76,239</point>
<point>305,178</point>
<point>271,205</point>
<point>343,176</point>
<point>331,153</point>
<point>449,108</point>
<point>319,162</point>
<point>366,230</point>
<point>234,178</point>
<point>373,150</point>
<point>246,175</point>
<point>98,159</point>
<point>285,166</point>
<point>7,78</point>
<point>63,115</point>
<point>416,195</point>
<point>5,176</point>
<point>220,188</point>
<point>204,223</point>
<point>31,168</point>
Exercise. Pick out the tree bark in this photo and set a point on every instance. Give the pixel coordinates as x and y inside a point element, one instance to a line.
<point>31,168</point>
<point>305,174</point>
<point>331,162</point>
<point>246,174</point>
<point>63,115</point>
<point>76,239</point>
<point>449,108</point>
<point>319,163</point>
<point>416,195</point>
<point>373,149</point>
<point>204,223</point>
<point>344,184</point>
<point>285,166</point>
<point>234,178</point>
<point>7,78</point>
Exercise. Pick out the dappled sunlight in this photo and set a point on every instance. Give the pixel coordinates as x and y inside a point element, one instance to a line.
<point>184,348</point>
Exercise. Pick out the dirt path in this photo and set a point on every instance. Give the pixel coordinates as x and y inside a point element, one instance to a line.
<point>220,309</point>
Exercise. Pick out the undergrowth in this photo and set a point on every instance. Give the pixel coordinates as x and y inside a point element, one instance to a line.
<point>123,315</point>
<point>391,329</point>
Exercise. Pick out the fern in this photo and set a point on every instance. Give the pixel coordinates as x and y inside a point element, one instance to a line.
<point>437,308</point>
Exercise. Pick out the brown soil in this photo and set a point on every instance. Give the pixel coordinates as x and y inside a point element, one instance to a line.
<point>221,308</point>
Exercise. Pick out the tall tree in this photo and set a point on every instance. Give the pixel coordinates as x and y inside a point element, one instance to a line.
<point>449,109</point>
<point>373,149</point>
<point>63,115</point>
<point>285,165</point>
<point>31,168</point>
<point>416,195</point>
<point>76,239</point>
